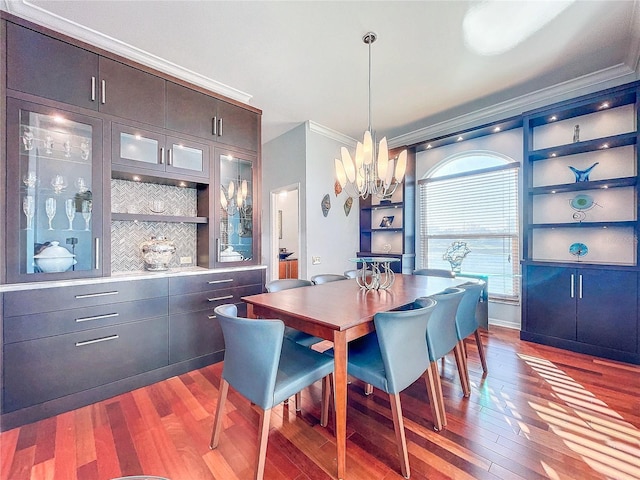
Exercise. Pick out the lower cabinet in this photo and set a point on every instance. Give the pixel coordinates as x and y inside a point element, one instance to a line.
<point>64,347</point>
<point>593,310</point>
<point>288,269</point>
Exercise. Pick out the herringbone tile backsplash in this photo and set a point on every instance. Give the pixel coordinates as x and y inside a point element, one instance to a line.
<point>126,236</point>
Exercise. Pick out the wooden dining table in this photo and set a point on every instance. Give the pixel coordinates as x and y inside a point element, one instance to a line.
<point>341,311</point>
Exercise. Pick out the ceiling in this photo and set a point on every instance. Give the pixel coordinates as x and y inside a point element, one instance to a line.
<point>305,60</point>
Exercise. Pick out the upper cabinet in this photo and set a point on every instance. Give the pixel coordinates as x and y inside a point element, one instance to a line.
<point>580,178</point>
<point>54,193</point>
<point>53,69</point>
<point>203,116</point>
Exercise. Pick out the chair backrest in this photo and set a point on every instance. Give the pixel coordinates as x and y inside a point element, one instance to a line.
<point>351,273</point>
<point>327,277</point>
<point>435,272</point>
<point>252,354</point>
<point>403,345</point>
<point>441,329</point>
<point>286,284</point>
<point>466,322</point>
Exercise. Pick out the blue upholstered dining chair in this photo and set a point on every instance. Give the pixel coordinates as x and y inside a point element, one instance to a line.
<point>435,272</point>
<point>327,277</point>
<point>392,358</point>
<point>466,323</point>
<point>265,368</point>
<point>442,339</point>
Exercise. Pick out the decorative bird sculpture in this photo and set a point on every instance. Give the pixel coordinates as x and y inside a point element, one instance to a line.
<point>582,175</point>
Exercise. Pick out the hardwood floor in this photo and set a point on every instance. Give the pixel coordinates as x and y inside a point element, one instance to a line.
<point>540,413</point>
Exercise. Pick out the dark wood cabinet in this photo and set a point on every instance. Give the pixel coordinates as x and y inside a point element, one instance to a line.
<point>204,116</point>
<point>51,68</point>
<point>131,93</point>
<point>594,309</point>
<point>154,153</point>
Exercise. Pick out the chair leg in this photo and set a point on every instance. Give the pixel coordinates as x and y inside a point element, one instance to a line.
<point>298,401</point>
<point>217,423</point>
<point>401,440</point>
<point>265,417</point>
<point>483,359</point>
<point>434,389</point>
<point>368,389</point>
<point>326,391</point>
<point>463,371</point>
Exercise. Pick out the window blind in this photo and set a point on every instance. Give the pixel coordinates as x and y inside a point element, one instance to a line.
<point>481,208</point>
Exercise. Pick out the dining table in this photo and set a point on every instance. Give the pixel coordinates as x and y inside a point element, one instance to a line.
<point>341,312</point>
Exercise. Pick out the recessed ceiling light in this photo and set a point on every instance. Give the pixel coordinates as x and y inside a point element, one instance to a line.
<point>605,186</point>
<point>552,155</point>
<point>429,146</point>
<point>459,139</point>
<point>605,145</point>
<point>553,191</point>
<point>604,105</point>
<point>553,118</point>
<point>497,129</point>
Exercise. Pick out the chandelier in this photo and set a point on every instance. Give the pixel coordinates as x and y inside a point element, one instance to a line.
<point>370,171</point>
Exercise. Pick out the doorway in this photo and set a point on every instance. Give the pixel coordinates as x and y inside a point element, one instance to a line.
<point>285,232</point>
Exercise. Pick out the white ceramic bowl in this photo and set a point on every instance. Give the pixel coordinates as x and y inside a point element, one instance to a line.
<point>54,259</point>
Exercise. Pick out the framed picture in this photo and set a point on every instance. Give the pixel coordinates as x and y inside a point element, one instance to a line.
<point>386,221</point>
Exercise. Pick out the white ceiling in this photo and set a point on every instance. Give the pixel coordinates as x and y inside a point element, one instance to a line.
<point>305,60</point>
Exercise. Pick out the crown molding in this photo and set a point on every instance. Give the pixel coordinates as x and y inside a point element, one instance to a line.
<point>329,133</point>
<point>592,82</point>
<point>633,57</point>
<point>36,14</point>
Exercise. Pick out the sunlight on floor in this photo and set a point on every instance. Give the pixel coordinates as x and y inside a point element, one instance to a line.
<point>599,435</point>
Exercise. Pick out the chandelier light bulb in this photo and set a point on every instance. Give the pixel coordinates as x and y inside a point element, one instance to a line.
<point>367,150</point>
<point>383,159</point>
<point>223,200</point>
<point>239,199</point>
<point>349,168</point>
<point>401,166</point>
<point>232,189</point>
<point>244,188</point>
<point>341,175</point>
<point>359,156</point>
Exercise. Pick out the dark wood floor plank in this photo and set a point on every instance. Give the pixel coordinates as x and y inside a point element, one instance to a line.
<point>540,413</point>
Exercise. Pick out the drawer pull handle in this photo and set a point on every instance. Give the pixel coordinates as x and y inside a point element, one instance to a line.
<point>212,317</point>
<point>97,340</point>
<point>104,92</point>
<point>97,317</point>
<point>215,299</point>
<point>102,294</point>
<point>213,282</point>
<point>214,129</point>
<point>93,89</point>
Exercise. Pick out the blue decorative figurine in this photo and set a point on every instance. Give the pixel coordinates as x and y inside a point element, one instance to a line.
<point>582,175</point>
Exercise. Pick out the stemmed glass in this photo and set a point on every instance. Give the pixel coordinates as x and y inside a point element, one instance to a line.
<point>29,209</point>
<point>86,212</point>
<point>70,209</point>
<point>50,206</point>
<point>59,183</point>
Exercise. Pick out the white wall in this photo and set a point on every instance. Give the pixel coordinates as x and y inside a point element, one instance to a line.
<point>306,157</point>
<point>334,238</point>
<point>283,164</point>
<point>507,143</point>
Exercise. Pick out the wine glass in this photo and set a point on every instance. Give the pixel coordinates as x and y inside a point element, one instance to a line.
<point>85,150</point>
<point>30,179</point>
<point>48,144</point>
<point>59,183</point>
<point>50,206</point>
<point>86,212</point>
<point>70,209</point>
<point>29,209</point>
<point>67,149</point>
<point>27,139</point>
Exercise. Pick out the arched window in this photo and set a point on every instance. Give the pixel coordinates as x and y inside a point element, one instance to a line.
<point>473,198</point>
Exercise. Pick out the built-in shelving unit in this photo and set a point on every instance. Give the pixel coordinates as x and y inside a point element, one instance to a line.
<point>580,217</point>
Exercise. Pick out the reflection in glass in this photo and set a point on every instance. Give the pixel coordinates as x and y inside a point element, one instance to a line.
<point>29,209</point>
<point>84,150</point>
<point>50,206</point>
<point>48,144</point>
<point>81,185</point>
<point>86,212</point>
<point>70,209</point>
<point>27,139</point>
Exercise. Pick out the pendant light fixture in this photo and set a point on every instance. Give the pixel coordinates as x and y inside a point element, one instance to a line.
<point>370,171</point>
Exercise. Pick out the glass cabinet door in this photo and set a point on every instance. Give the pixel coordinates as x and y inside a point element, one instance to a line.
<point>54,193</point>
<point>236,242</point>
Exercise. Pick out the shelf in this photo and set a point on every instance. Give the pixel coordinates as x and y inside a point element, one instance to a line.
<point>140,217</point>
<point>373,230</point>
<point>383,206</point>
<point>578,186</point>
<point>583,147</point>
<point>630,223</point>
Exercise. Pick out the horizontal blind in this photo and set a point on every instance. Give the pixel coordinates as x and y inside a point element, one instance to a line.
<point>480,208</point>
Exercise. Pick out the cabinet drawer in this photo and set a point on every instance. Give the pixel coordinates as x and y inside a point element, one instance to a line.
<point>47,324</point>
<point>213,281</point>
<point>207,301</point>
<point>48,368</point>
<point>25,302</point>
<point>194,334</point>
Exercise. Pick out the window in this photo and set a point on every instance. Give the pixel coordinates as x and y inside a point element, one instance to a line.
<point>473,197</point>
